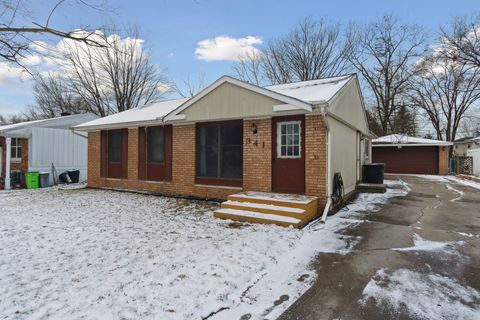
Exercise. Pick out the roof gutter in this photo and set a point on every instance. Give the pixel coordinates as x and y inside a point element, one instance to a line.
<point>85,136</point>
<point>118,125</point>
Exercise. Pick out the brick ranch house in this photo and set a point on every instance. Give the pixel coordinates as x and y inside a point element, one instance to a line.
<point>234,136</point>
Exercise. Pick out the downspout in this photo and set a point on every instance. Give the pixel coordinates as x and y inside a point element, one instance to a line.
<point>329,166</point>
<point>8,158</point>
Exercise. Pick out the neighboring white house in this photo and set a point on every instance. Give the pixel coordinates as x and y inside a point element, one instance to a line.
<point>44,145</point>
<point>475,154</point>
<point>461,146</point>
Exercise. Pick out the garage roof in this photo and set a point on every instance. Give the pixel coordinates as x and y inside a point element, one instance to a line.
<point>21,129</point>
<point>404,140</point>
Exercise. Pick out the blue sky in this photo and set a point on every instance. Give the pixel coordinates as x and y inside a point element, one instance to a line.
<point>173,29</point>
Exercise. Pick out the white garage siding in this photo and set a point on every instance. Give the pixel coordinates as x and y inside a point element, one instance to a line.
<point>345,149</point>
<point>60,147</point>
<point>475,154</point>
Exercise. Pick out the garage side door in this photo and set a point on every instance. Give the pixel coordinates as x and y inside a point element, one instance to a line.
<point>413,160</point>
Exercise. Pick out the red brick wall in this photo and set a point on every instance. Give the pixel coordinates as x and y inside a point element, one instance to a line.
<point>257,155</point>
<point>183,169</point>
<point>316,157</point>
<point>257,162</point>
<point>14,165</point>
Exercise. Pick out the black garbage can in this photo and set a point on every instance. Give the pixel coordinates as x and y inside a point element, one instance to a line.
<point>373,172</point>
<point>74,175</point>
<point>64,178</point>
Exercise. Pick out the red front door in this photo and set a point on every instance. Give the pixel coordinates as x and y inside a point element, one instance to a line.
<point>288,154</point>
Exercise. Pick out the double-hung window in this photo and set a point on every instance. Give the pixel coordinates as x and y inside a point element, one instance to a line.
<point>289,135</point>
<point>219,158</point>
<point>114,146</point>
<point>155,148</point>
<point>16,149</point>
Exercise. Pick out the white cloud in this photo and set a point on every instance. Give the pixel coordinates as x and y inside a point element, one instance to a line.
<point>226,48</point>
<point>49,59</point>
<point>32,60</point>
<point>10,74</point>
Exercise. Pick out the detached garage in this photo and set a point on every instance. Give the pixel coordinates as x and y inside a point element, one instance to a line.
<point>411,155</point>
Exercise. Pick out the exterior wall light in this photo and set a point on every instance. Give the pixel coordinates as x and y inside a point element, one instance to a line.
<point>253,128</point>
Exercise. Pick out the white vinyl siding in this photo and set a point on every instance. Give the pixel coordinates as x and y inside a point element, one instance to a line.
<point>60,147</point>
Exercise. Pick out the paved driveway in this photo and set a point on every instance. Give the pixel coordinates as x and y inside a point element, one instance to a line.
<point>418,258</point>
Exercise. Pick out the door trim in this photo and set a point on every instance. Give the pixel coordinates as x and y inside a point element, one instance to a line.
<point>274,122</point>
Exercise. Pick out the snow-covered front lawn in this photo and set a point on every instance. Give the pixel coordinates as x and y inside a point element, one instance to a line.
<point>92,254</point>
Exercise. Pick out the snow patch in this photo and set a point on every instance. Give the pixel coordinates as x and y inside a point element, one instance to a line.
<point>370,202</point>
<point>422,296</point>
<point>469,235</point>
<point>459,192</point>
<point>97,254</point>
<point>264,206</point>
<point>274,197</point>
<point>421,244</point>
<point>252,214</point>
<point>465,182</point>
<point>317,238</point>
<point>431,177</point>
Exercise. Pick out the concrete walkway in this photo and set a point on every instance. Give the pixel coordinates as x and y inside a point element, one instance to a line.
<point>434,209</point>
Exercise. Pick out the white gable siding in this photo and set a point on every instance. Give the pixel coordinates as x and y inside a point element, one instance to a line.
<point>229,101</point>
<point>61,147</point>
<point>348,106</point>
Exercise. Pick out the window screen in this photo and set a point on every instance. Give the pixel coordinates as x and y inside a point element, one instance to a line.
<point>114,146</point>
<point>220,151</point>
<point>155,151</point>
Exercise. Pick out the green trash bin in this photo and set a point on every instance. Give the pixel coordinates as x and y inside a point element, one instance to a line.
<point>31,179</point>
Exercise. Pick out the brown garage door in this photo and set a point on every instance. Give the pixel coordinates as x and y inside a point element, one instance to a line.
<point>416,160</point>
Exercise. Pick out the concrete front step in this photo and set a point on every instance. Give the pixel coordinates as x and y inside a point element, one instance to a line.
<point>255,217</point>
<point>265,208</point>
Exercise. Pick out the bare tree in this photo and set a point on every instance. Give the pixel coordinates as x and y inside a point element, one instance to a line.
<point>16,33</point>
<point>461,40</point>
<point>312,50</point>
<point>114,77</point>
<point>250,68</point>
<point>15,118</point>
<point>191,87</point>
<point>382,53</point>
<point>445,90</point>
<point>52,98</point>
<point>471,124</point>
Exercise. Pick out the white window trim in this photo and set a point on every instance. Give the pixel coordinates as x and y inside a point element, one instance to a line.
<point>279,139</point>
<point>15,159</point>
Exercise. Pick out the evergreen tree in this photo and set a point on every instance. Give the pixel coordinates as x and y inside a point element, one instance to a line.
<point>404,121</point>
